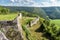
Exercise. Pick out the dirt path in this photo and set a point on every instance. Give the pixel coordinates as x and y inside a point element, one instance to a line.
<point>36,35</point>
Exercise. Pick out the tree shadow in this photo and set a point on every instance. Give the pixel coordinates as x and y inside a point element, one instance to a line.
<point>48,36</point>
<point>45,34</point>
<point>40,29</point>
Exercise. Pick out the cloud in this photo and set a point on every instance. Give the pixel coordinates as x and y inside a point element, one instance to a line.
<point>12,0</point>
<point>24,2</point>
<point>34,3</point>
<point>51,3</point>
<point>53,0</point>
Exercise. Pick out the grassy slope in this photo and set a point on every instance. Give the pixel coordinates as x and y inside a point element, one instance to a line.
<point>35,35</point>
<point>56,21</point>
<point>23,21</point>
<point>7,17</point>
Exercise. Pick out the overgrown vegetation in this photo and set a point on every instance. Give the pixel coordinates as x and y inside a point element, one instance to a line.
<point>24,22</point>
<point>28,14</point>
<point>4,10</point>
<point>51,31</point>
<point>27,32</point>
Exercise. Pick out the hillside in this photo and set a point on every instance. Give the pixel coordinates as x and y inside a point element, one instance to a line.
<point>31,23</point>
<point>52,12</point>
<point>31,10</point>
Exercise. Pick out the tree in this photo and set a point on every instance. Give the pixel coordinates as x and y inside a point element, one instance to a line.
<point>4,10</point>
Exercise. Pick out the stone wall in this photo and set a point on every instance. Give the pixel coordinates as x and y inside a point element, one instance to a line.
<point>2,36</point>
<point>7,24</point>
<point>33,22</point>
<point>15,24</point>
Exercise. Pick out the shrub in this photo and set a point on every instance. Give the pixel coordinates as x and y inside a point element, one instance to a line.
<point>28,35</point>
<point>51,29</point>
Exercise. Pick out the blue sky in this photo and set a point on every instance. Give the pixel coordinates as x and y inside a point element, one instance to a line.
<point>35,3</point>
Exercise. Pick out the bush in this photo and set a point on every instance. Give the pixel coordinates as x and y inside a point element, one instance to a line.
<point>28,35</point>
<point>51,29</point>
<point>4,10</point>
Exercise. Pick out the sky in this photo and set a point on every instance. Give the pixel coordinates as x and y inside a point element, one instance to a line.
<point>34,3</point>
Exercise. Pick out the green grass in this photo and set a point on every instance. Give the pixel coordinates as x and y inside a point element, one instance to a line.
<point>7,16</point>
<point>25,20</point>
<point>34,35</point>
<point>56,21</point>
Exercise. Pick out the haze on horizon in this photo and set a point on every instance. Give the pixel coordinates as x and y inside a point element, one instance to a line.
<point>32,3</point>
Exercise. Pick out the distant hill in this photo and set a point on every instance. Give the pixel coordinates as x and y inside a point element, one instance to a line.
<point>52,12</point>
<point>31,10</point>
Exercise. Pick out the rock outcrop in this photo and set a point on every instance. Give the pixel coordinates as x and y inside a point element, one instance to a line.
<point>12,29</point>
<point>2,36</point>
